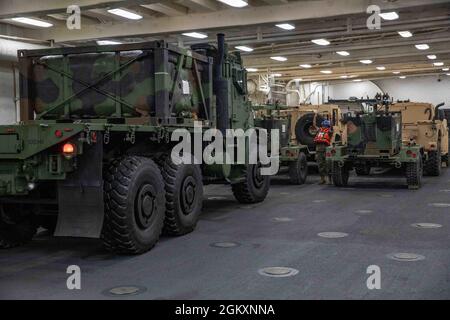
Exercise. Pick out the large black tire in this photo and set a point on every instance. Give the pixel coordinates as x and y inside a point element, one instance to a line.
<point>303,129</point>
<point>340,175</point>
<point>17,226</point>
<point>254,188</point>
<point>414,174</point>
<point>134,205</point>
<point>433,164</point>
<point>184,197</point>
<point>298,170</point>
<point>362,170</point>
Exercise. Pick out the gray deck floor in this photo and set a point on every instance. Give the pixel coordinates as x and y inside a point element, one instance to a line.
<point>190,268</point>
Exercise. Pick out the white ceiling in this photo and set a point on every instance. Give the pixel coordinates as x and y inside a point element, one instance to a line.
<point>342,22</point>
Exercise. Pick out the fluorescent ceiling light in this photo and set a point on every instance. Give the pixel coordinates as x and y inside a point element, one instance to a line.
<point>33,22</point>
<point>235,3</point>
<point>197,35</point>
<point>321,42</point>
<point>438,64</point>
<point>343,53</point>
<point>244,48</point>
<point>448,74</point>
<point>357,80</point>
<point>402,77</point>
<point>306,66</point>
<point>279,58</point>
<point>276,74</point>
<point>298,79</point>
<point>422,46</point>
<point>432,57</point>
<point>366,61</point>
<point>107,42</point>
<point>125,14</point>
<point>344,77</point>
<point>405,34</point>
<point>396,72</point>
<point>446,69</point>
<point>389,15</point>
<point>381,68</point>
<point>285,26</point>
<point>326,71</point>
<point>252,69</point>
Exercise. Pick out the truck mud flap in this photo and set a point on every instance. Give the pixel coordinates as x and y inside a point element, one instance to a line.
<point>80,197</point>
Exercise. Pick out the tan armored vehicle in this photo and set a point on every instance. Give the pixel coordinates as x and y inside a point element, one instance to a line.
<point>306,120</point>
<point>424,124</point>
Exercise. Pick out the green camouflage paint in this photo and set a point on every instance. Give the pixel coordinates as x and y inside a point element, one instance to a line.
<point>374,134</point>
<point>152,89</point>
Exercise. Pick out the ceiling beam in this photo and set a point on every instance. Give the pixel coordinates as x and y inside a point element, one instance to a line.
<point>200,5</point>
<point>9,9</point>
<point>169,9</point>
<point>354,74</point>
<point>335,33</point>
<point>359,45</point>
<point>275,2</point>
<point>299,10</point>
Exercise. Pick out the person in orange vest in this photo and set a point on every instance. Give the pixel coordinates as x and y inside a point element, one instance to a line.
<point>322,141</point>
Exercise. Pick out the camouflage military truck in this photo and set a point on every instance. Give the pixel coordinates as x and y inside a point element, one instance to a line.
<point>375,140</point>
<point>426,125</point>
<point>293,156</point>
<point>91,155</point>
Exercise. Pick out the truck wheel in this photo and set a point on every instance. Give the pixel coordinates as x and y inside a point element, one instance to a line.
<point>134,205</point>
<point>362,170</point>
<point>433,163</point>
<point>254,188</point>
<point>414,173</point>
<point>304,128</point>
<point>184,197</point>
<point>298,170</point>
<point>17,226</point>
<point>340,175</point>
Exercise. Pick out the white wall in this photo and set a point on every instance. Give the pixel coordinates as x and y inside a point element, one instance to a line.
<point>417,89</point>
<point>353,89</point>
<point>8,56</point>
<point>7,104</point>
<point>314,93</point>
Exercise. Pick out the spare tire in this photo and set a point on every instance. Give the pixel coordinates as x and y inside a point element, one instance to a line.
<point>304,129</point>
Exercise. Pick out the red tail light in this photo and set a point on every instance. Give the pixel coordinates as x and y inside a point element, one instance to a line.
<point>69,150</point>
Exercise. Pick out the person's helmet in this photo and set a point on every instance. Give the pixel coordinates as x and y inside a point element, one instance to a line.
<point>326,123</point>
